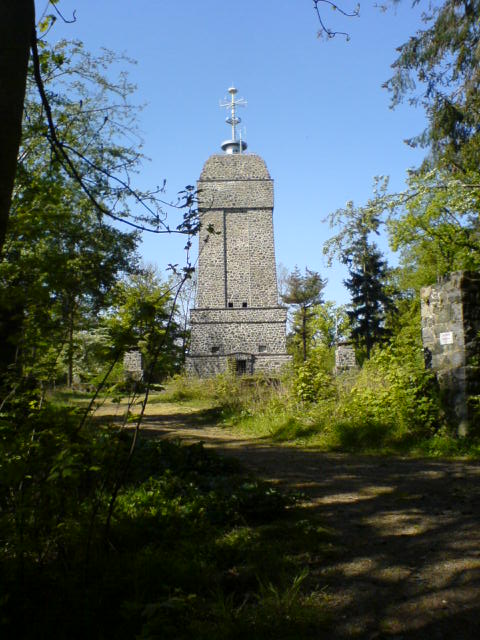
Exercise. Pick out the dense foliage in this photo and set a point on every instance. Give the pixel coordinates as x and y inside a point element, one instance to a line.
<point>391,404</point>
<point>302,293</point>
<point>185,554</point>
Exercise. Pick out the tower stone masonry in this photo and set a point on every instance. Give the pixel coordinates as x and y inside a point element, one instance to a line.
<point>451,341</point>
<point>237,323</point>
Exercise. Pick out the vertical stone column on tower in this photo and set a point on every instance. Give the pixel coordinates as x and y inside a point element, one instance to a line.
<point>237,321</point>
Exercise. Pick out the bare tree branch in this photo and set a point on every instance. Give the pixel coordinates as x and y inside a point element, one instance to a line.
<point>325,30</point>
<point>63,152</point>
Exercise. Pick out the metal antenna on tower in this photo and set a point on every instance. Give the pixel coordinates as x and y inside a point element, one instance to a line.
<point>234,145</point>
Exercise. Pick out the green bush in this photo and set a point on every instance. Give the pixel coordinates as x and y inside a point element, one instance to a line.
<point>391,403</point>
<point>159,566</point>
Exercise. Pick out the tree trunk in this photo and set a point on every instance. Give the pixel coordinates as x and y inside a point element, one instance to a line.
<point>70,348</point>
<point>304,334</point>
<point>17,28</point>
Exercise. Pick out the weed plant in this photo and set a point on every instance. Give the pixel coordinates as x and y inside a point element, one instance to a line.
<point>390,404</point>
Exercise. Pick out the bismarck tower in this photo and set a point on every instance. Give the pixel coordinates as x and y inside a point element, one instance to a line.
<point>237,323</point>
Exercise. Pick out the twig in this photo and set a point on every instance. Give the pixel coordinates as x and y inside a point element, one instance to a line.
<point>326,30</point>
<point>60,150</point>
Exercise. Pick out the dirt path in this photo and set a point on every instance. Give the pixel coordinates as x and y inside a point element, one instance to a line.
<point>410,530</point>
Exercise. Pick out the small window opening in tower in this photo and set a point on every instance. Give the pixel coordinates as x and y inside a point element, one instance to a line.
<point>244,305</point>
<point>230,304</point>
<point>215,349</point>
<point>262,348</point>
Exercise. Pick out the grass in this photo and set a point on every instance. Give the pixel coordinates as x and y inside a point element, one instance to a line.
<point>358,416</point>
<point>340,422</point>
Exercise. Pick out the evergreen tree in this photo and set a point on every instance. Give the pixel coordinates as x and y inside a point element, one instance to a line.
<point>303,292</point>
<point>367,269</point>
<point>370,300</point>
<point>438,68</point>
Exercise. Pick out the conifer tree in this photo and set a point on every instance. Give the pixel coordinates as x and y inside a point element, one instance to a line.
<point>303,292</point>
<point>370,300</point>
<point>438,68</point>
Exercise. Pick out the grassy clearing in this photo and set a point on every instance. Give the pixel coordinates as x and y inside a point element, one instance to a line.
<point>383,408</point>
<point>380,409</point>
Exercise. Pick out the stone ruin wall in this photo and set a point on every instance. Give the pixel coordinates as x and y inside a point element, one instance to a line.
<point>345,358</point>
<point>450,333</point>
<point>133,365</point>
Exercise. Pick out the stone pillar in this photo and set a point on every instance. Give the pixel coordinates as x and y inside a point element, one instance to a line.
<point>344,357</point>
<point>133,365</point>
<point>450,334</point>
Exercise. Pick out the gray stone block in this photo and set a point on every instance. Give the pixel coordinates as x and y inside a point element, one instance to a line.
<point>450,333</point>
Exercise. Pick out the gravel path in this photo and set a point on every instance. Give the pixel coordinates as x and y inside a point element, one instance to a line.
<point>409,529</point>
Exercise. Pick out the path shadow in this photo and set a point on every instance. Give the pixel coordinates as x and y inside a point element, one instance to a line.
<point>409,530</point>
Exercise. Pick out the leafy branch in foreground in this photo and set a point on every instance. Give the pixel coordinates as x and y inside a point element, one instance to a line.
<point>104,175</point>
<point>438,68</point>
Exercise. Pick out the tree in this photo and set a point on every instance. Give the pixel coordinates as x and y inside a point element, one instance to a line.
<point>303,292</point>
<point>142,316</point>
<point>435,225</point>
<point>438,67</point>
<point>368,272</point>
<point>370,300</point>
<point>435,222</point>
<point>17,26</point>
<point>76,124</point>
<point>329,324</point>
<point>59,268</point>
<point>61,258</point>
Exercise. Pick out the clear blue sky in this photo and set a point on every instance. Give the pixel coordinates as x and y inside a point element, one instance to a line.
<point>316,111</point>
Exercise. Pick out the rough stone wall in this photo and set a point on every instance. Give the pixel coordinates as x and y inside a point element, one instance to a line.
<point>133,365</point>
<point>206,366</point>
<point>344,357</point>
<point>250,259</point>
<point>211,287</point>
<point>237,298</point>
<point>238,166</point>
<point>242,193</point>
<point>450,334</point>
<point>249,330</point>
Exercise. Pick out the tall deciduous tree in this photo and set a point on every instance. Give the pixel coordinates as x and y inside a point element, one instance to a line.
<point>303,293</point>
<point>75,126</point>
<point>435,222</point>
<point>61,258</point>
<point>143,316</point>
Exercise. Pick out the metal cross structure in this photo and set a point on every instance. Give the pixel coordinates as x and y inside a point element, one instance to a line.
<point>233,120</point>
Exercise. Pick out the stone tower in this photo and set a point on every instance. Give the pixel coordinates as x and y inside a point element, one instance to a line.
<point>237,323</point>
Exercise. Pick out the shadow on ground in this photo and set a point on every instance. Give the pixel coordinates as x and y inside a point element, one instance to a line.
<point>409,530</point>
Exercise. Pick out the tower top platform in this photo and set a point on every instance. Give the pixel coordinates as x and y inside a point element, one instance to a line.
<point>237,166</point>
